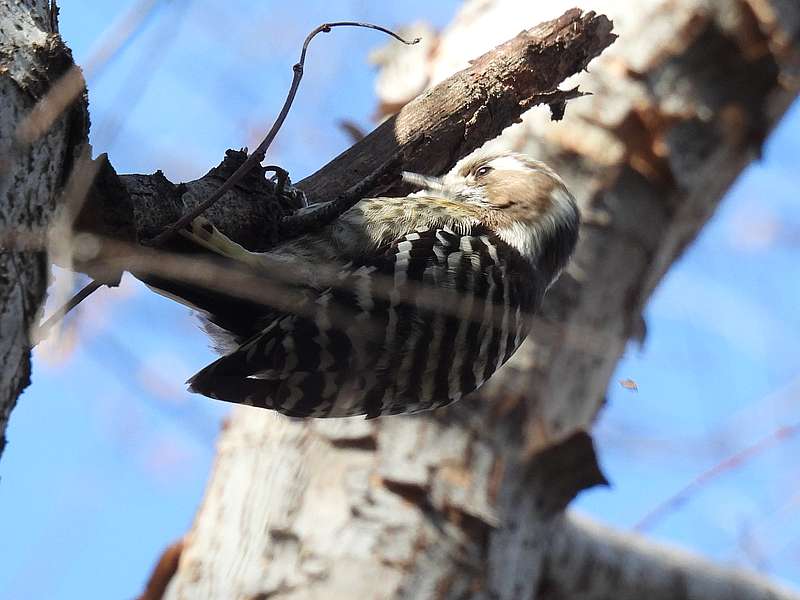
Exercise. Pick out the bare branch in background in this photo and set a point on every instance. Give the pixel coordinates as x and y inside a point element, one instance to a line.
<point>730,463</point>
<point>69,86</point>
<point>587,560</point>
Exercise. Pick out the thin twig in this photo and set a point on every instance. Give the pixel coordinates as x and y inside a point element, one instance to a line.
<point>253,159</point>
<point>43,329</point>
<point>275,285</point>
<point>259,153</point>
<point>731,462</point>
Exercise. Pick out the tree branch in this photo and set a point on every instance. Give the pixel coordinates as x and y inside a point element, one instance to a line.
<point>428,135</point>
<point>633,568</point>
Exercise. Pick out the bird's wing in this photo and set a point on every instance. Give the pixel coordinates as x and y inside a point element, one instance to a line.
<point>362,329</point>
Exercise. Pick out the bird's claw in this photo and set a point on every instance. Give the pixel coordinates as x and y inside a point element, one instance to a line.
<point>284,190</point>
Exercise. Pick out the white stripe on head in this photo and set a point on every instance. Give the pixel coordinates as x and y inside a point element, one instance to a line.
<point>508,163</point>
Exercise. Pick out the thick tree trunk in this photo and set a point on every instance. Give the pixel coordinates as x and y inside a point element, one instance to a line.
<point>463,503</point>
<point>34,165</point>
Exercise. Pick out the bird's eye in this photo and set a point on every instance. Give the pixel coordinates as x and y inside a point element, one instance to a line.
<point>482,171</point>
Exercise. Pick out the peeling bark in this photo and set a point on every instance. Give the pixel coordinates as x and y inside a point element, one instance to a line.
<point>32,58</point>
<point>460,503</point>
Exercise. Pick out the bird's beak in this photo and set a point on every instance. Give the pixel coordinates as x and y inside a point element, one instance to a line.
<point>426,182</point>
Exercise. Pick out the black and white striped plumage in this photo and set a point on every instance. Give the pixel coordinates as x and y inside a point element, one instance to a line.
<point>430,295</point>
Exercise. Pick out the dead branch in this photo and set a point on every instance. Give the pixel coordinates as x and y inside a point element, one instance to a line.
<point>447,122</point>
<point>428,135</point>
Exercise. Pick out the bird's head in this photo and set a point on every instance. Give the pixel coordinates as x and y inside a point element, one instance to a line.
<point>523,201</point>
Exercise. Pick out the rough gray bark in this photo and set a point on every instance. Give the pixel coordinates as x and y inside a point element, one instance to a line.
<point>460,503</point>
<point>33,169</point>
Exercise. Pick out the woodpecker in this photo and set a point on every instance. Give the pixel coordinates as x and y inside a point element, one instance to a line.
<point>405,304</point>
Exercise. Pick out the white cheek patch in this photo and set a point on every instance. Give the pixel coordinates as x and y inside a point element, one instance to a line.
<point>527,237</point>
<point>524,238</point>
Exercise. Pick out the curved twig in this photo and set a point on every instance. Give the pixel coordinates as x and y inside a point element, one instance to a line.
<point>253,159</point>
<point>259,153</point>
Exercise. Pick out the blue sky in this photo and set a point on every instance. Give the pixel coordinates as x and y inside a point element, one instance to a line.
<point>719,372</point>
<point>108,456</point>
